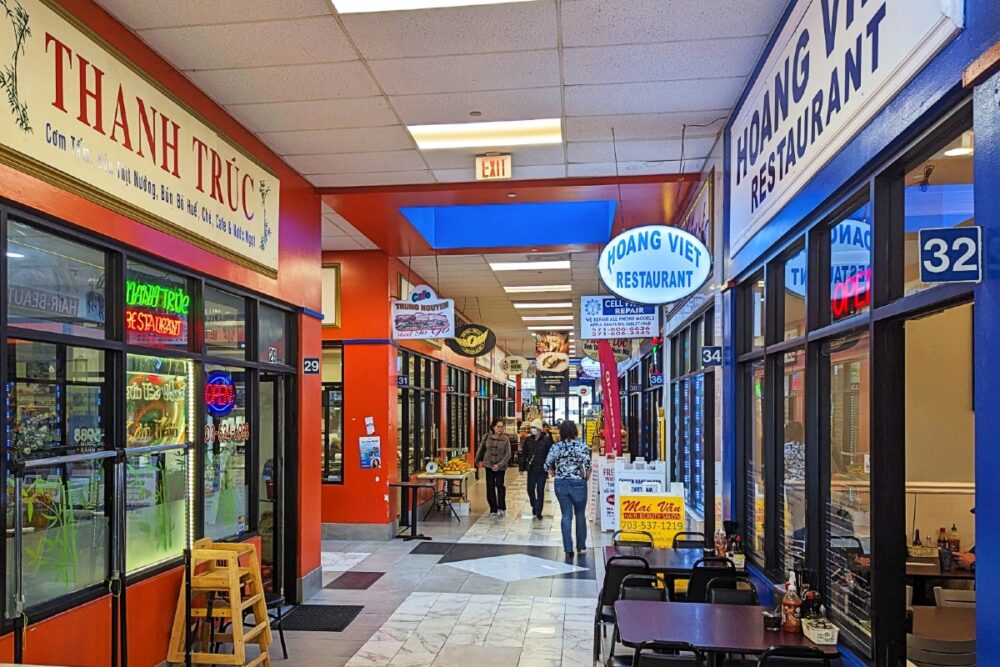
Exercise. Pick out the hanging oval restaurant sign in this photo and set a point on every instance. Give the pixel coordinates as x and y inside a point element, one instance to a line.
<point>655,264</point>
<point>514,365</point>
<point>472,340</point>
<point>220,393</point>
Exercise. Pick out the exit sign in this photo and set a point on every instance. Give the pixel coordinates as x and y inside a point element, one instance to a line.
<point>493,167</point>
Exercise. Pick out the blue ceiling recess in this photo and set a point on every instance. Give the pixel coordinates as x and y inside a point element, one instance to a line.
<point>513,225</point>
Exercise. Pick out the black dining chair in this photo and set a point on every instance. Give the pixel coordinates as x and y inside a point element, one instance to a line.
<point>632,538</point>
<point>615,571</point>
<point>655,654</point>
<point>731,590</point>
<point>646,587</point>
<point>703,571</point>
<point>795,656</point>
<point>689,540</point>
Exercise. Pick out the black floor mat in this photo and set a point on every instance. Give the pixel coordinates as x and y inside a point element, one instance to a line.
<point>320,617</point>
<point>432,548</point>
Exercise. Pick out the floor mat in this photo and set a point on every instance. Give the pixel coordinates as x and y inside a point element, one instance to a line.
<point>355,580</point>
<point>432,548</point>
<point>320,617</point>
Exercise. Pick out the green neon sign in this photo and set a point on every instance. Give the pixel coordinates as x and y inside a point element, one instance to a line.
<point>149,295</point>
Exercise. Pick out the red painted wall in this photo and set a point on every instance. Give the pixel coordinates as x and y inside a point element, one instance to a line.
<point>82,636</point>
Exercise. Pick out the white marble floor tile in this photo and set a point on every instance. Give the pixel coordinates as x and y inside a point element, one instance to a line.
<point>515,567</point>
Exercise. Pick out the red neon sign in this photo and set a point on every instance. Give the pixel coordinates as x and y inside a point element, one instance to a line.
<point>851,295</point>
<point>140,321</point>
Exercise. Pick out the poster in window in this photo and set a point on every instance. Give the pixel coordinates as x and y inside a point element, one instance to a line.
<point>156,401</point>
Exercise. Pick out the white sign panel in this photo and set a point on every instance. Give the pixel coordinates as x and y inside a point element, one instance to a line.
<point>423,316</point>
<point>834,65</point>
<point>79,115</point>
<point>608,317</point>
<point>655,264</point>
<point>514,365</point>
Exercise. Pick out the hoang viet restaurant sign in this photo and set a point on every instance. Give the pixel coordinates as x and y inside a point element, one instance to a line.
<point>423,316</point>
<point>833,67</point>
<point>80,116</point>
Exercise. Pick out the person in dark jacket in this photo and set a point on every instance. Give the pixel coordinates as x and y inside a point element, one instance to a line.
<point>534,451</point>
<point>494,455</point>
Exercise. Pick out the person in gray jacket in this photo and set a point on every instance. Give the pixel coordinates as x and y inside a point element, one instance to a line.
<point>494,454</point>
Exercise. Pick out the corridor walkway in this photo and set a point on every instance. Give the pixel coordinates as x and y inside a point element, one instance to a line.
<point>485,592</point>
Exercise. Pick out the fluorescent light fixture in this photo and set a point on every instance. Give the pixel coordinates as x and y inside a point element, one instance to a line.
<point>369,6</point>
<point>527,289</point>
<point>14,255</point>
<point>492,134</point>
<point>960,151</point>
<point>554,327</point>
<point>547,318</point>
<point>543,304</point>
<point>530,266</point>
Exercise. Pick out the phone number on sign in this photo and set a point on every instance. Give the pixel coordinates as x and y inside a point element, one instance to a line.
<point>652,525</point>
<point>622,332</point>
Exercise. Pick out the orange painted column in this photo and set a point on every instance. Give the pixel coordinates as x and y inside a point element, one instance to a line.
<point>310,498</point>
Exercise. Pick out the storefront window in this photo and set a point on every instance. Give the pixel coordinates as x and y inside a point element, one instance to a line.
<point>226,437</point>
<point>55,405</point>
<point>225,324</point>
<point>54,285</point>
<point>272,335</point>
<point>333,414</point>
<point>851,265</point>
<point>795,295</point>
<point>158,404</point>
<point>848,510</point>
<point>157,307</point>
<point>938,193</point>
<point>793,498</point>
<point>757,300</point>
<point>755,489</point>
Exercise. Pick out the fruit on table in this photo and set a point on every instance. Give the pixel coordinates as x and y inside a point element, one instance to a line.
<point>455,465</point>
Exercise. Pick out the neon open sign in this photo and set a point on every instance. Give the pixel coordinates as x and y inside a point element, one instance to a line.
<point>220,393</point>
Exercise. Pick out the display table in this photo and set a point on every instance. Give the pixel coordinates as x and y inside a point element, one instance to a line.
<point>414,488</point>
<point>455,485</point>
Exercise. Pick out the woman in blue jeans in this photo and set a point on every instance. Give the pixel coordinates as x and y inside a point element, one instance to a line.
<point>569,463</point>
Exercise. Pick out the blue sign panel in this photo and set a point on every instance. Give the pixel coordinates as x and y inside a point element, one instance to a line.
<point>711,355</point>
<point>402,381</point>
<point>951,255</point>
<point>310,366</point>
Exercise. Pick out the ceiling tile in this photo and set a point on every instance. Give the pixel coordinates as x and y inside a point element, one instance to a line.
<point>445,74</point>
<point>633,168</point>
<point>314,115</point>
<point>286,84</point>
<point>521,156</point>
<point>353,140</point>
<point>340,243</point>
<point>641,126</point>
<point>660,62</point>
<point>347,163</point>
<point>494,105</point>
<point>142,15</point>
<point>372,178</point>
<point>655,97</point>
<point>633,151</point>
<point>240,45</point>
<point>599,22</point>
<point>495,28</point>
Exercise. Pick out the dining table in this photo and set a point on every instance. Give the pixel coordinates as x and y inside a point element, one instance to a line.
<point>715,629</point>
<point>945,623</point>
<point>673,562</point>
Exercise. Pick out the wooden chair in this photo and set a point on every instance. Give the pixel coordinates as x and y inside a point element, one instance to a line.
<point>951,597</point>
<point>925,652</point>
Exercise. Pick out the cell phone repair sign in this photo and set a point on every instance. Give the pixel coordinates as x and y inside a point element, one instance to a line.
<point>608,317</point>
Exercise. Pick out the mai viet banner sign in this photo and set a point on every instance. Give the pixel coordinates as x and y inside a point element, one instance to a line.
<point>661,516</point>
<point>610,317</point>
<point>81,116</point>
<point>833,67</point>
<point>654,264</point>
<point>423,316</point>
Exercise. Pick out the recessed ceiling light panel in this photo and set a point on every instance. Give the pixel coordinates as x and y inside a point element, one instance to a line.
<point>527,289</point>
<point>490,134</point>
<point>554,327</point>
<point>547,318</point>
<point>531,266</point>
<point>543,304</point>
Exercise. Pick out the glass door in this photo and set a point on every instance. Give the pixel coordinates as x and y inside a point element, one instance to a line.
<point>270,504</point>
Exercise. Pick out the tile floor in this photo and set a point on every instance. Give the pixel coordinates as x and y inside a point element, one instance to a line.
<point>486,592</point>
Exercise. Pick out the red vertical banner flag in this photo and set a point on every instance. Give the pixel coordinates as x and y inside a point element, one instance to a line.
<point>612,400</point>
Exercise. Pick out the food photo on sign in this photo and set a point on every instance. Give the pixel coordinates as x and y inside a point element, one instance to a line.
<point>552,363</point>
<point>423,315</point>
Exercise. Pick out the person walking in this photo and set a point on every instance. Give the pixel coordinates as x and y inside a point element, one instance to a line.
<point>534,453</point>
<point>569,463</point>
<point>494,455</point>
